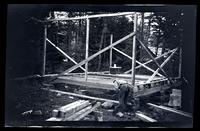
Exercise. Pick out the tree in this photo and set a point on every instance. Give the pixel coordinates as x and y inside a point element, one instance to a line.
<point>168,29</point>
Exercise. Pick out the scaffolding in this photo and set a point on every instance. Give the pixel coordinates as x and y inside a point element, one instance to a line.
<point>100,80</point>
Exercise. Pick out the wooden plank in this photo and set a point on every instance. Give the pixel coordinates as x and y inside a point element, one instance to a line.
<point>93,16</point>
<point>143,117</point>
<point>171,110</point>
<point>64,113</point>
<point>87,47</point>
<point>133,50</point>
<point>81,96</point>
<point>162,65</point>
<point>56,112</point>
<point>77,114</point>
<point>44,50</point>
<point>156,58</point>
<point>111,41</point>
<point>63,53</point>
<point>88,112</point>
<point>96,54</point>
<point>54,119</point>
<point>70,105</point>
<point>136,61</point>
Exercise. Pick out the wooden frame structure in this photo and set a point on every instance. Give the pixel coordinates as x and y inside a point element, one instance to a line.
<point>148,82</point>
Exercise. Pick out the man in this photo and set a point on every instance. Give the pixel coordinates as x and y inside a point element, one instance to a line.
<point>124,90</point>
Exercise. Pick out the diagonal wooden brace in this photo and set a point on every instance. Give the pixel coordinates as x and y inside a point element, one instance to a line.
<point>154,60</point>
<point>96,54</point>
<point>158,57</point>
<point>162,65</point>
<point>136,61</point>
<point>62,52</point>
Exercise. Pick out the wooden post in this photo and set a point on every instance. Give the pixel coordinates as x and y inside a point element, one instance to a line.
<point>133,51</point>
<point>44,50</point>
<point>180,62</point>
<point>111,41</point>
<point>87,47</point>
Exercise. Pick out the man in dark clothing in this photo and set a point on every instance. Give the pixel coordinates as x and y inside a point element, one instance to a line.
<point>124,90</point>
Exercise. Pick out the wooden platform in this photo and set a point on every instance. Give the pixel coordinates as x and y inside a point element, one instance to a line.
<point>101,80</point>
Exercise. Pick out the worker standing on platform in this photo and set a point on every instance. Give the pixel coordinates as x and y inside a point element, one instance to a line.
<point>124,90</point>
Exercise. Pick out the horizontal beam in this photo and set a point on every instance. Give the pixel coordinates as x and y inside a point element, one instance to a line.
<point>96,54</point>
<point>81,96</point>
<point>63,53</point>
<point>136,61</point>
<point>171,110</point>
<point>93,16</point>
<point>158,57</point>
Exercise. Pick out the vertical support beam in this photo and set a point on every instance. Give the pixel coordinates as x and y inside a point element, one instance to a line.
<point>87,47</point>
<point>180,62</point>
<point>111,41</point>
<point>44,50</point>
<point>133,50</point>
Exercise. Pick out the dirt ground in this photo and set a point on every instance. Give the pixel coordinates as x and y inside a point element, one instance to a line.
<point>27,95</point>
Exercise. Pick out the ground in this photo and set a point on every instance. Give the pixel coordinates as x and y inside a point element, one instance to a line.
<point>27,95</point>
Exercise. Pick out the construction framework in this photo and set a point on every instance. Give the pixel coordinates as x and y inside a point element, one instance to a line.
<point>142,84</point>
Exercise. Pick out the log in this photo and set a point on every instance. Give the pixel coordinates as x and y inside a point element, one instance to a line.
<point>133,51</point>
<point>82,96</point>
<point>171,110</point>
<point>93,16</point>
<point>144,117</point>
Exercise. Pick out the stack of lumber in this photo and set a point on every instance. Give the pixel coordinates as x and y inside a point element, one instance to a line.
<point>74,111</point>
